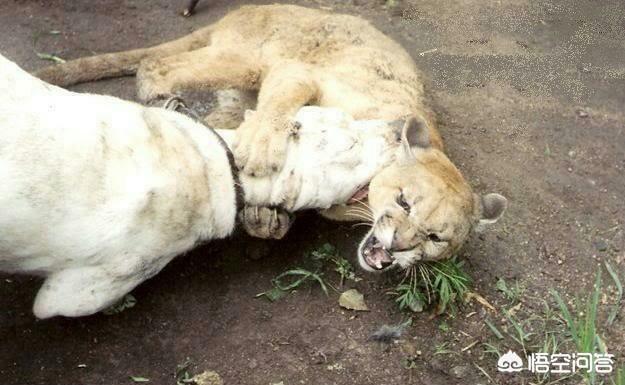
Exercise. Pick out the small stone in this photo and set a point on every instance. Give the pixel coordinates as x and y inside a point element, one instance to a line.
<point>601,245</point>
<point>409,348</point>
<point>460,371</point>
<point>252,364</point>
<point>581,113</point>
<point>352,299</point>
<point>335,367</point>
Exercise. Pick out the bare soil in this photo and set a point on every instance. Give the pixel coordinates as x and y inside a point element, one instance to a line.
<point>530,96</point>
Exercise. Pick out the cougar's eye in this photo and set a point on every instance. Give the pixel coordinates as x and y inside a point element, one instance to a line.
<point>434,238</point>
<point>401,201</point>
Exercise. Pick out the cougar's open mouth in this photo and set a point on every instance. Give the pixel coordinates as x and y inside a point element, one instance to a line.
<point>375,254</point>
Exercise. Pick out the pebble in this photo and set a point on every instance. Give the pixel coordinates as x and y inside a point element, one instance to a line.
<point>460,371</point>
<point>601,245</point>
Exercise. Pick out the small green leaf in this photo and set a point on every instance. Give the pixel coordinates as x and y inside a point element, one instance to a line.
<point>273,294</point>
<point>47,56</point>
<point>494,329</point>
<point>139,379</point>
<point>619,297</point>
<point>304,276</point>
<point>125,303</point>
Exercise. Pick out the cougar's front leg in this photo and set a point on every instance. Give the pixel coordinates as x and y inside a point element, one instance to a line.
<point>204,68</point>
<point>266,222</point>
<point>260,147</point>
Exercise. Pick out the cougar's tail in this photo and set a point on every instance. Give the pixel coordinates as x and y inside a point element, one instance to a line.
<point>119,63</point>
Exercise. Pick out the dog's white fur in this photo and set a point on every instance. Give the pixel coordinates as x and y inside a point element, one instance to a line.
<point>98,194</point>
<point>329,157</point>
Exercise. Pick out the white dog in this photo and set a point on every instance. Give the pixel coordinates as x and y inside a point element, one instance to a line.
<point>99,194</point>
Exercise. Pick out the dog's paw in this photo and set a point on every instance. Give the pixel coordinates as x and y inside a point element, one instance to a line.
<point>266,222</point>
<point>78,292</point>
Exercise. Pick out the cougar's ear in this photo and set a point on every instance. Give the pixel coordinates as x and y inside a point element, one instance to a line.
<point>414,132</point>
<point>489,208</point>
<point>249,114</point>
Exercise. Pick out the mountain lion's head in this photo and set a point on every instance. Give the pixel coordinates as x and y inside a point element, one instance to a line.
<point>422,208</point>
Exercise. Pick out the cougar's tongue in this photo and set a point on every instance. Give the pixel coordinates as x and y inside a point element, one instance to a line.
<point>378,258</point>
<point>359,195</point>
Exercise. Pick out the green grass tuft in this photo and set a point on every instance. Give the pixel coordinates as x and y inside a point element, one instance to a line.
<point>327,253</point>
<point>619,296</point>
<point>582,326</point>
<point>409,298</point>
<point>440,282</point>
<point>291,280</point>
<point>302,275</point>
<point>619,378</point>
<point>512,292</point>
<point>320,257</point>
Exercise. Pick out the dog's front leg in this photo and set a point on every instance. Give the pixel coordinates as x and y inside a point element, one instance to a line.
<point>82,291</point>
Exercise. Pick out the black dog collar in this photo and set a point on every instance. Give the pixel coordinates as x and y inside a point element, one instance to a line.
<point>176,103</point>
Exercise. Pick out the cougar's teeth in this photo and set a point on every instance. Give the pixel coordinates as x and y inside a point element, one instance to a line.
<point>378,264</point>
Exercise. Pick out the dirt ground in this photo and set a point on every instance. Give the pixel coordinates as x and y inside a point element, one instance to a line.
<point>530,96</point>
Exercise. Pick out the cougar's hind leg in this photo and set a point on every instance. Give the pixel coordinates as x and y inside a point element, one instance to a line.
<point>205,68</point>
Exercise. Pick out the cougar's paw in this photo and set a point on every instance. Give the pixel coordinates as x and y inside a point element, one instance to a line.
<point>268,154</point>
<point>260,152</point>
<point>151,84</point>
<point>168,101</point>
<point>265,222</point>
